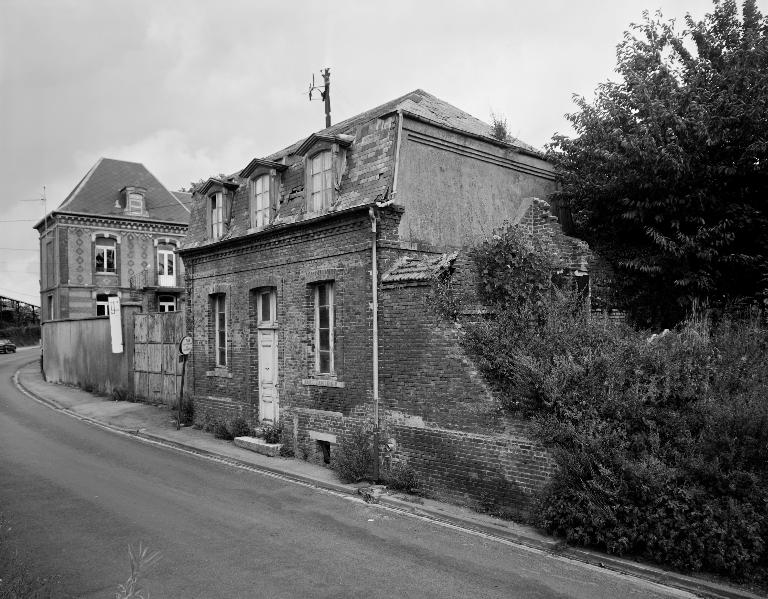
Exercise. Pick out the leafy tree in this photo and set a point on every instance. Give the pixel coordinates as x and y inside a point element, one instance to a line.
<point>667,176</point>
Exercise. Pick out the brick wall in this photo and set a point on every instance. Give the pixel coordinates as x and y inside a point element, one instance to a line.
<point>290,261</point>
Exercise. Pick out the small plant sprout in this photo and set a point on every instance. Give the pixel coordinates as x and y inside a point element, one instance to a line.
<point>141,562</point>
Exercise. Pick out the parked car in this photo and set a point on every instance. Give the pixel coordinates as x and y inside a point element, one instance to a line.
<point>6,345</point>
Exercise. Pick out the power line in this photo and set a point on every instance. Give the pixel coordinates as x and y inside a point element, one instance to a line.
<point>5,290</point>
<point>19,249</point>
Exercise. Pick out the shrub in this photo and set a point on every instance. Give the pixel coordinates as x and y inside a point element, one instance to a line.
<point>401,477</point>
<point>661,442</point>
<point>352,457</point>
<point>221,430</point>
<point>272,433</point>
<point>240,428</point>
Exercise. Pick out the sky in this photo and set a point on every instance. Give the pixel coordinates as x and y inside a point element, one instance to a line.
<point>196,88</point>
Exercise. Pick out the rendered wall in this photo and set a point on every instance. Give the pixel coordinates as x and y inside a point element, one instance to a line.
<point>456,190</point>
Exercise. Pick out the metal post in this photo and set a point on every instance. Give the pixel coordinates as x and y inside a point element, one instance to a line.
<point>181,388</point>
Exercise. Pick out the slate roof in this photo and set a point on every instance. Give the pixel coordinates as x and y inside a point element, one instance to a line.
<point>417,268</point>
<point>420,104</point>
<point>100,189</point>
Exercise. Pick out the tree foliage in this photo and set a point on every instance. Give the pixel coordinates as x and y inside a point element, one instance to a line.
<point>667,175</point>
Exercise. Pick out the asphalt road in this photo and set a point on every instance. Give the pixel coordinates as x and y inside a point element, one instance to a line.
<point>75,496</point>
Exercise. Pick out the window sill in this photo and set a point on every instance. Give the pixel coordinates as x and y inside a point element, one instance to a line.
<point>219,372</point>
<point>323,382</point>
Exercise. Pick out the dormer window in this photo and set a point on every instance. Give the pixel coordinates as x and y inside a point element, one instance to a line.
<point>133,198</point>
<point>217,215</point>
<point>325,161</point>
<point>135,204</point>
<point>217,195</point>
<point>320,181</point>
<point>261,204</point>
<point>264,186</point>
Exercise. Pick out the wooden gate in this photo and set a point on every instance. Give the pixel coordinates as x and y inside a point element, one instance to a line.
<point>156,367</point>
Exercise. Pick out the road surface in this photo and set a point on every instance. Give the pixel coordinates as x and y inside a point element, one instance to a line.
<point>76,496</point>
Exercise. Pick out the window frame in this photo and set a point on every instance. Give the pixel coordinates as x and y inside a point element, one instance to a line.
<point>265,209</point>
<point>102,305</point>
<point>216,209</point>
<point>326,175</point>
<point>271,294</point>
<point>220,337</point>
<point>137,208</point>
<point>172,261</point>
<point>105,262</point>
<point>165,302</point>
<point>331,307</point>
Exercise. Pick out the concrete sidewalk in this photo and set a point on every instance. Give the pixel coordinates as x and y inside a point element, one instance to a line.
<point>156,424</point>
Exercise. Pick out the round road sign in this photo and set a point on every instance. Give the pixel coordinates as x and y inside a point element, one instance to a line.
<point>185,345</point>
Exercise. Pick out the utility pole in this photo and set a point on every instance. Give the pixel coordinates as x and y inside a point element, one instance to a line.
<point>325,93</point>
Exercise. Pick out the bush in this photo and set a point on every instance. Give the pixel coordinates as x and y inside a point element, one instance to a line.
<point>401,477</point>
<point>352,457</point>
<point>661,442</point>
<point>272,433</point>
<point>240,428</point>
<point>221,430</point>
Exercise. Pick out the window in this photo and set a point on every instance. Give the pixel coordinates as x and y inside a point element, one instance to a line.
<point>102,304</point>
<point>260,203</point>
<point>105,257</point>
<point>266,303</point>
<point>135,204</point>
<point>217,215</point>
<point>166,303</point>
<point>49,264</point>
<point>321,181</point>
<point>51,314</point>
<point>166,262</point>
<point>324,323</point>
<point>220,328</point>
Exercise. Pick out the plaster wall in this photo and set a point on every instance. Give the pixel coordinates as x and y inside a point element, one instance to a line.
<point>458,190</point>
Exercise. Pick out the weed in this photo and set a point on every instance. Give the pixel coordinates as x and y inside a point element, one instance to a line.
<point>141,562</point>
<point>240,428</point>
<point>352,457</point>
<point>221,430</point>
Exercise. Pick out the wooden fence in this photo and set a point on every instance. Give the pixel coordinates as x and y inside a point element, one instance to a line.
<point>79,352</point>
<point>156,367</point>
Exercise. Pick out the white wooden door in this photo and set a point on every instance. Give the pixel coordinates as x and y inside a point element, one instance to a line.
<point>268,401</point>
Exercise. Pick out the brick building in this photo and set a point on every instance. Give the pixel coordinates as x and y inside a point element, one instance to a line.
<point>116,233</point>
<point>308,274</point>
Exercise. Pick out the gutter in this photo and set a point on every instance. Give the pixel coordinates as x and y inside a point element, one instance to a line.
<point>53,213</point>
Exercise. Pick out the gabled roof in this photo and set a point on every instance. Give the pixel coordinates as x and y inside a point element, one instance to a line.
<point>214,182</point>
<point>259,162</point>
<point>419,104</point>
<point>100,190</point>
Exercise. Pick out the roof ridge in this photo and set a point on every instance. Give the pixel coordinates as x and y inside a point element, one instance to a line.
<point>73,194</point>
<point>168,191</point>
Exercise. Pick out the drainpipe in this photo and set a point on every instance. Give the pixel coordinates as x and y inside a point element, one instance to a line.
<point>375,309</point>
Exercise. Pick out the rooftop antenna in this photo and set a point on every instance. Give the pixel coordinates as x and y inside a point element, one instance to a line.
<point>325,93</point>
<point>45,207</point>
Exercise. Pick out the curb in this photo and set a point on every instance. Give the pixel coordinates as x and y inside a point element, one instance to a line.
<point>552,547</point>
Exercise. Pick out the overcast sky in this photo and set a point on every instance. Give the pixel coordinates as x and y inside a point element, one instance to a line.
<point>193,88</point>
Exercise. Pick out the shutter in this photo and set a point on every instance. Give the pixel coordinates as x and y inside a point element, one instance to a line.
<point>227,198</point>
<point>207,209</point>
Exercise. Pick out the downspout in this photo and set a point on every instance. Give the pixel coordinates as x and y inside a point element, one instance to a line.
<point>375,342</point>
